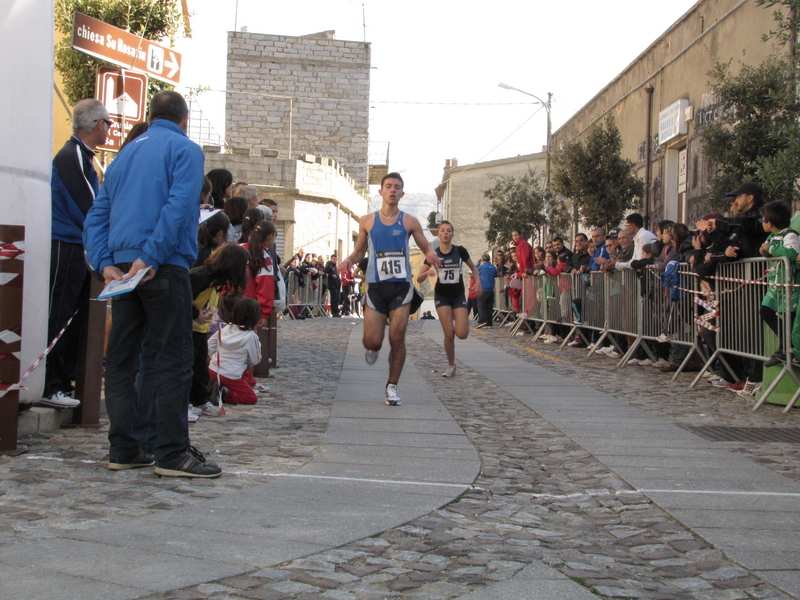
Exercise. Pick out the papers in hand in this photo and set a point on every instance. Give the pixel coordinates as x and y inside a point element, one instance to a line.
<point>115,288</point>
<point>207,213</point>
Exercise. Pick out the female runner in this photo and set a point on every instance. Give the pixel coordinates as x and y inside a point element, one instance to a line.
<point>448,294</point>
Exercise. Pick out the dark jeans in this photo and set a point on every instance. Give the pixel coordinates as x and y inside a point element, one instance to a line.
<point>161,308</point>
<point>335,292</point>
<point>69,289</point>
<point>485,307</point>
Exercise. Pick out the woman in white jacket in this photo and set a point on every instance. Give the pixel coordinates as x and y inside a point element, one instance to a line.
<point>234,349</point>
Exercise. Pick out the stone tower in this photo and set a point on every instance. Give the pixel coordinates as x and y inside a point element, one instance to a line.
<point>318,84</point>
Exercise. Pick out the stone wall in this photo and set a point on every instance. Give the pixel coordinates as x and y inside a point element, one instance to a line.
<point>328,83</point>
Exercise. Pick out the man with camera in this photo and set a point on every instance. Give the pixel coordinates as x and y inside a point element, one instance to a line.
<point>743,232</point>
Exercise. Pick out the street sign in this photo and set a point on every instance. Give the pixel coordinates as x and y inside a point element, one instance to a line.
<point>124,94</point>
<point>125,49</point>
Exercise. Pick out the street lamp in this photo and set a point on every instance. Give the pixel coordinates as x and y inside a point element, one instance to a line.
<point>547,108</point>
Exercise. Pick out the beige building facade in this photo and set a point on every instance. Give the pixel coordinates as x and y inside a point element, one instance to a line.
<point>662,100</point>
<point>462,200</point>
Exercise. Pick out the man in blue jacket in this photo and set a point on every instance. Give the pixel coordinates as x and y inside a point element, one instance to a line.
<point>73,186</point>
<point>146,216</point>
<point>486,272</point>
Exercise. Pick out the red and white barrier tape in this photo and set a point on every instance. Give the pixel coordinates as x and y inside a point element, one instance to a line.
<point>9,387</point>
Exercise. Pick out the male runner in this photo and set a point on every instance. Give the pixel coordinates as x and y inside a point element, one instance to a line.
<point>389,281</point>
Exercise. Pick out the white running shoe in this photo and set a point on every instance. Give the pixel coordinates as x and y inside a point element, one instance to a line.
<point>613,354</point>
<point>664,337</point>
<point>59,400</point>
<point>450,371</point>
<point>660,363</point>
<point>646,362</point>
<point>634,362</point>
<point>196,409</point>
<point>192,416</point>
<point>371,356</point>
<point>392,399</point>
<point>209,410</point>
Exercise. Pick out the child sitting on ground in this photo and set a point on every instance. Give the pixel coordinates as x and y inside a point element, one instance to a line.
<point>234,349</point>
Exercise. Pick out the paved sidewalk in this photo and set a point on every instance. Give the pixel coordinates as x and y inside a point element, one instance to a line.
<point>533,474</point>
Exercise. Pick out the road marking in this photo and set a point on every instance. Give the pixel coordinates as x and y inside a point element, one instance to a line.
<point>561,360</point>
<point>462,486</point>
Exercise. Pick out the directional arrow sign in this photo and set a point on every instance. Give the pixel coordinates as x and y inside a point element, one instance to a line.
<point>125,49</point>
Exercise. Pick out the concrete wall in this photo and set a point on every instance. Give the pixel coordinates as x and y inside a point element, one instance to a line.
<point>318,203</point>
<point>464,203</point>
<point>25,169</point>
<point>328,83</point>
<point>676,65</point>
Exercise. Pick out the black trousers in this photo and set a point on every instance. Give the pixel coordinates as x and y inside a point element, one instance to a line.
<point>69,289</point>
<point>485,307</point>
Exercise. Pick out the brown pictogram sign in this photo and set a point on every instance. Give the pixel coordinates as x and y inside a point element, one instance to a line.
<point>124,94</point>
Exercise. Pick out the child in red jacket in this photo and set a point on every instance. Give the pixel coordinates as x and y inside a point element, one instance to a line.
<point>261,284</point>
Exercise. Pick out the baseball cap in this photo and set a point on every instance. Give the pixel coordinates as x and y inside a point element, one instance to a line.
<point>613,233</point>
<point>751,188</point>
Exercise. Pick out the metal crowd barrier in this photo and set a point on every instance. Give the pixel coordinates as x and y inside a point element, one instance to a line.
<point>503,308</point>
<point>659,313</point>
<point>739,289</point>
<point>622,303</point>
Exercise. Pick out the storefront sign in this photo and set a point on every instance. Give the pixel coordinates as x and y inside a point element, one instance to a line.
<point>672,122</point>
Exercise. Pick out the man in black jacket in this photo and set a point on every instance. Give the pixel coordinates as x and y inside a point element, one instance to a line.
<point>334,285</point>
<point>73,187</point>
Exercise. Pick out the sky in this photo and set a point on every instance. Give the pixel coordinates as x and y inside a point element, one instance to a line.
<point>436,66</point>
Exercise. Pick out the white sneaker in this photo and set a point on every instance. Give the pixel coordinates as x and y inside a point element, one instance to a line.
<point>749,390</point>
<point>259,388</point>
<point>195,409</point>
<point>450,371</point>
<point>634,362</point>
<point>575,342</point>
<point>553,340</point>
<point>607,350</point>
<point>613,354</point>
<point>392,399</point>
<point>660,363</point>
<point>646,362</point>
<point>371,356</point>
<point>209,410</point>
<point>192,416</point>
<point>664,337</point>
<point>60,400</point>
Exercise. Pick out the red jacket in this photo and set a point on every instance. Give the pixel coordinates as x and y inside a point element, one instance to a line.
<point>524,255</point>
<point>262,286</point>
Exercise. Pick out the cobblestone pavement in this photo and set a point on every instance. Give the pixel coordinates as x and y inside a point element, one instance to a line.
<point>539,496</point>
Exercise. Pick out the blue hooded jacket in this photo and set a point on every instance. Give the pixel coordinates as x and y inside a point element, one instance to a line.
<point>149,206</point>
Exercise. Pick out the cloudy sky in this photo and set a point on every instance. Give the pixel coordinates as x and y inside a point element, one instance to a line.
<point>437,65</point>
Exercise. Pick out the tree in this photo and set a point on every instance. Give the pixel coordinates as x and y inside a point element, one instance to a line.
<point>600,183</point>
<point>520,204</point>
<point>432,219</point>
<point>146,18</point>
<point>756,139</point>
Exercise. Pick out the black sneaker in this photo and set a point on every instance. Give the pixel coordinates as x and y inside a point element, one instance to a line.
<point>191,463</point>
<point>776,359</point>
<point>143,459</point>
